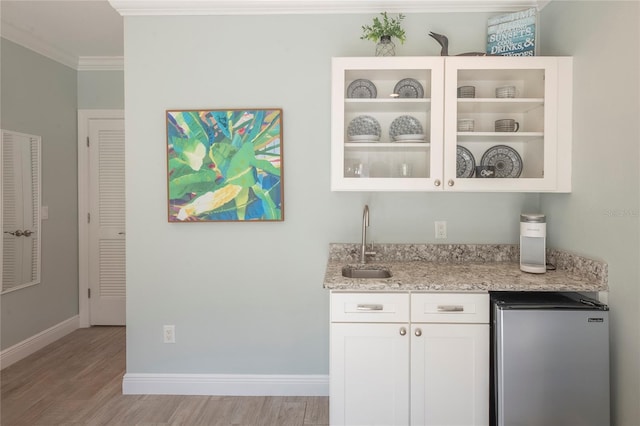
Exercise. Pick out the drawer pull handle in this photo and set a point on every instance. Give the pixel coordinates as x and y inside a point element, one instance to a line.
<point>450,308</point>
<point>370,307</point>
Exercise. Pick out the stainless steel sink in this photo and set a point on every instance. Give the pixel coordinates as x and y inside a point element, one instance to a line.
<point>365,272</point>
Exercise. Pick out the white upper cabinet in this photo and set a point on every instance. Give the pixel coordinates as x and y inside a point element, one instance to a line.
<point>404,124</point>
<point>536,157</point>
<point>367,115</point>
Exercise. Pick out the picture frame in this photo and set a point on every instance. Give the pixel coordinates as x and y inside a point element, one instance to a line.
<point>225,165</point>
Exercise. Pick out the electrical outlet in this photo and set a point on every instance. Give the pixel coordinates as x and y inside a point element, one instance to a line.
<point>169,334</point>
<point>441,229</point>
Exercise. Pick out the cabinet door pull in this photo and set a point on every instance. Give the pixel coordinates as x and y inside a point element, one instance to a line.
<point>370,307</point>
<point>450,308</point>
<point>450,182</point>
<point>403,331</point>
<point>418,332</point>
<point>437,182</point>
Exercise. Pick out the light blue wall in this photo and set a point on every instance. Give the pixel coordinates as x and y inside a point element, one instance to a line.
<point>248,297</point>
<point>101,90</point>
<point>600,218</point>
<point>38,96</point>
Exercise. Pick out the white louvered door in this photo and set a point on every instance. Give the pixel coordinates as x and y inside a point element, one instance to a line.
<point>20,210</point>
<point>107,223</point>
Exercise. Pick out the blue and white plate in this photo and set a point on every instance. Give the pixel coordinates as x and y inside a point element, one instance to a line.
<point>505,159</point>
<point>410,138</point>
<point>362,88</point>
<point>409,88</point>
<point>364,138</point>
<point>405,125</point>
<point>364,125</point>
<point>465,163</point>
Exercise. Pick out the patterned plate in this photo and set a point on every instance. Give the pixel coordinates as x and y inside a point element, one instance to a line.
<point>364,138</point>
<point>361,88</point>
<point>409,88</point>
<point>465,163</point>
<point>405,125</point>
<point>410,138</point>
<point>506,160</point>
<point>364,125</point>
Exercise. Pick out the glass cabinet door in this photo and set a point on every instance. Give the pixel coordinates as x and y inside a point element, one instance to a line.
<point>503,119</point>
<point>387,124</point>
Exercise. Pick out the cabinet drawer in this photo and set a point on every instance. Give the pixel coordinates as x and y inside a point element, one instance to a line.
<point>369,307</point>
<point>450,307</point>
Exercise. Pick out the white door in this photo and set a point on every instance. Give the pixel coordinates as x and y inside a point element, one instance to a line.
<point>106,222</point>
<point>20,190</point>
<point>369,374</point>
<point>450,374</point>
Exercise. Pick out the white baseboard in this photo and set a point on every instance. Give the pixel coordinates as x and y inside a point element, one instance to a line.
<point>34,343</point>
<point>225,384</point>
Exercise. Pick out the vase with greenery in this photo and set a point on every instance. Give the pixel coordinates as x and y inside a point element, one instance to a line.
<point>382,31</point>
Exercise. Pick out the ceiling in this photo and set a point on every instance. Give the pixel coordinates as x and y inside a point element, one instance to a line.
<point>88,34</point>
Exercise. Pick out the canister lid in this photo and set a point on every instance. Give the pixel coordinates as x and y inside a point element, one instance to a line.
<point>533,218</point>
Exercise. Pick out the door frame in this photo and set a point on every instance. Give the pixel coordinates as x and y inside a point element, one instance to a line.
<point>84,117</point>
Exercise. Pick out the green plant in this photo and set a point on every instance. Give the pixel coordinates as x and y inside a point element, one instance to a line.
<point>387,27</point>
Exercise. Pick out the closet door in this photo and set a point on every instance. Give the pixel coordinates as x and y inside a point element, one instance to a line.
<point>20,210</point>
<point>107,272</point>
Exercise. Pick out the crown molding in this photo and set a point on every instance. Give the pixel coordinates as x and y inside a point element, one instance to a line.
<point>101,63</point>
<point>28,40</point>
<point>281,7</point>
<point>83,63</point>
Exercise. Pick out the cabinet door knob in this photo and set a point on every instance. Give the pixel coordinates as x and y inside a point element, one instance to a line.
<point>436,182</point>
<point>418,332</point>
<point>450,182</point>
<point>403,331</point>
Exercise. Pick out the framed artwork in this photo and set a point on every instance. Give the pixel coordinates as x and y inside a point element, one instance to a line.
<point>225,165</point>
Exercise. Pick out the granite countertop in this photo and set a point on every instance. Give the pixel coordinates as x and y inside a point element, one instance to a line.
<point>462,267</point>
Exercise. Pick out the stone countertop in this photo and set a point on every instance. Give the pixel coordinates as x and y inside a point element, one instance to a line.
<point>454,267</point>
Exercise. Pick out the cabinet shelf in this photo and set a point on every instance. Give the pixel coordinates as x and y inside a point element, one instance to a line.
<point>493,105</point>
<point>499,136</point>
<point>386,105</point>
<point>421,145</point>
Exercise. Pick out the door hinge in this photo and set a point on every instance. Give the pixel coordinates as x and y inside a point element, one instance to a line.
<point>87,141</point>
<point>89,292</point>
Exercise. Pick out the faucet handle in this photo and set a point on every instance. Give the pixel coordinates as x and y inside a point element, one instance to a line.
<point>371,252</point>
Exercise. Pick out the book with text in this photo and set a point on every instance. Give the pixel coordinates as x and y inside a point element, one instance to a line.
<point>513,34</point>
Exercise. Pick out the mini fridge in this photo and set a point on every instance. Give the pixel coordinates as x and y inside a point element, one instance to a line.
<point>549,359</point>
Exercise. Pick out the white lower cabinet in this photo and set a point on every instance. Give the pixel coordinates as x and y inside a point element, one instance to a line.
<point>409,359</point>
<point>369,374</point>
<point>450,374</point>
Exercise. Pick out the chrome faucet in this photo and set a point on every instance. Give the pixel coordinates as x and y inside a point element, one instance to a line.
<point>365,224</point>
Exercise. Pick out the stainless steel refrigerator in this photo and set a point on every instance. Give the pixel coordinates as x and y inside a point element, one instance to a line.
<point>549,360</point>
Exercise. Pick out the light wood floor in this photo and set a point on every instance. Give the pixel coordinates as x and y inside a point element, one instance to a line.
<point>78,381</point>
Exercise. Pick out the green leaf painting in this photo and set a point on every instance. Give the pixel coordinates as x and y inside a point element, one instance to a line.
<point>225,165</point>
